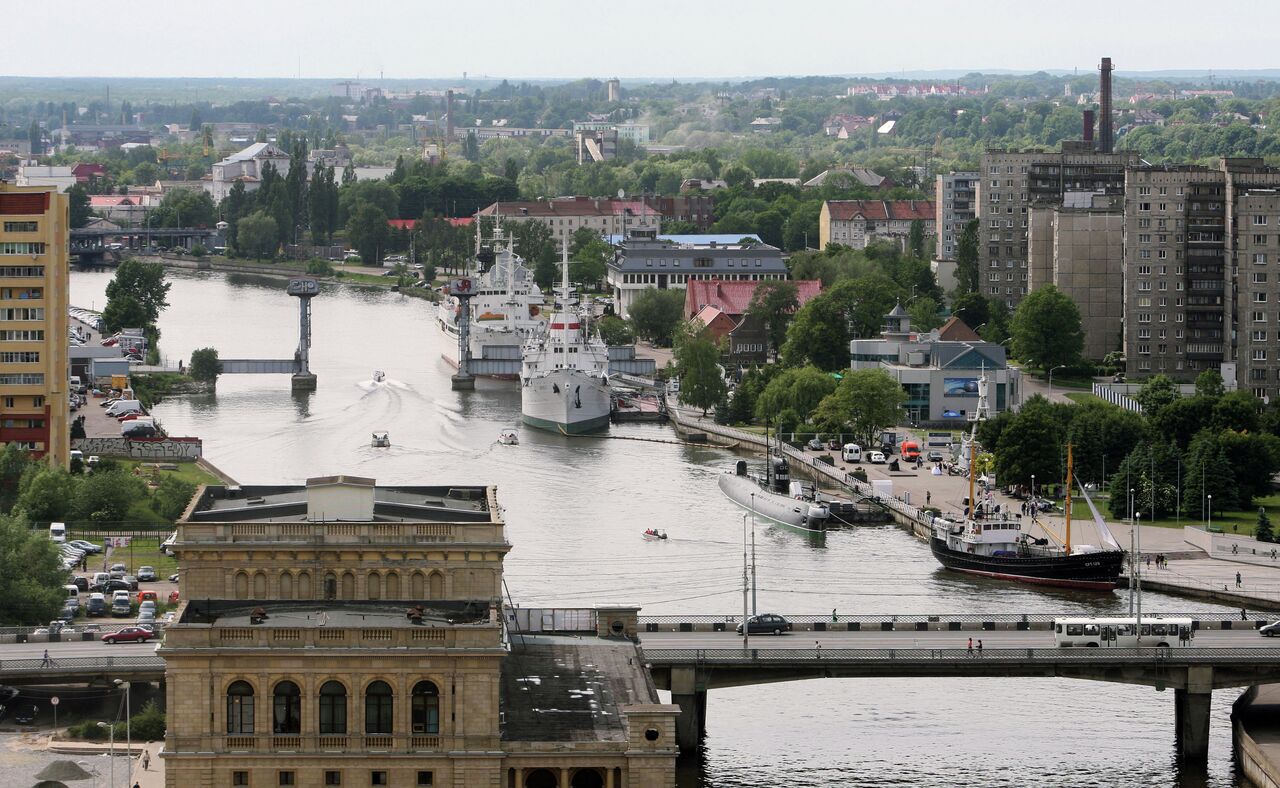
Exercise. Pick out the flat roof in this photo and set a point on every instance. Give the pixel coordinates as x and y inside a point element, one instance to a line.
<point>343,614</point>
<point>565,689</point>
<point>288,503</point>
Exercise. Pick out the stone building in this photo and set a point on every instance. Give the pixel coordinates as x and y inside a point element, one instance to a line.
<point>856,223</point>
<point>343,633</point>
<point>1079,247</point>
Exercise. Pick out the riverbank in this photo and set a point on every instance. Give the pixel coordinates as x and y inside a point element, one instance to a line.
<point>1255,720</point>
<point>365,277</point>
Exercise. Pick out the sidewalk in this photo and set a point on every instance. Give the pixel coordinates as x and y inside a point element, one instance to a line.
<point>152,777</point>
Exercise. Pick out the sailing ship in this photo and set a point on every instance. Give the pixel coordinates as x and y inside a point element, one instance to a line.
<point>992,543</point>
<point>505,311</point>
<point>564,373</point>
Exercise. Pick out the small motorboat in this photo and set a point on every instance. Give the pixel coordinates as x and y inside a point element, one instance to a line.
<point>653,534</point>
<point>381,440</point>
<point>509,438</point>
<point>379,376</point>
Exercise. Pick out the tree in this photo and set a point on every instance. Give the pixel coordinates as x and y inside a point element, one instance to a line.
<point>142,282</point>
<point>104,497</point>
<point>1209,384</point>
<point>1262,531</point>
<point>1207,472</point>
<point>1031,444</point>
<point>798,390</point>
<point>46,494</point>
<point>655,314</point>
<point>1156,392</point>
<point>697,362</point>
<point>773,303</point>
<point>32,590</point>
<point>172,496</point>
<point>257,235</point>
<point>924,314</point>
<point>1046,329</point>
<point>615,331</point>
<point>967,259</point>
<point>868,400</point>
<point>124,312</point>
<point>205,364</point>
<point>471,147</point>
<point>973,309</point>
<point>368,232</point>
<point>534,242</point>
<point>589,263</point>
<point>1154,495</point>
<point>915,239</point>
<point>81,213</point>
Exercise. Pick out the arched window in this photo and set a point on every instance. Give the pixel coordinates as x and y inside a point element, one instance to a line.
<point>240,708</point>
<point>304,585</point>
<point>333,708</point>
<point>287,708</point>
<point>373,586</point>
<point>286,585</point>
<point>393,585</point>
<point>377,708</point>
<point>260,585</point>
<point>425,708</point>
<point>348,586</point>
<point>330,586</point>
<point>242,585</point>
<point>436,582</point>
<point>417,586</point>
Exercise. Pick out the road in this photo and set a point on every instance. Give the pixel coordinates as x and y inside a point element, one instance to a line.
<point>1205,638</point>
<point>76,649</point>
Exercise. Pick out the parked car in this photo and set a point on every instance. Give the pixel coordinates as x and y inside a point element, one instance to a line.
<point>129,635</point>
<point>132,581</point>
<point>766,623</point>
<point>81,583</point>
<point>147,596</point>
<point>110,587</point>
<point>1270,630</point>
<point>814,445</point>
<point>97,605</point>
<point>147,574</point>
<point>88,547</point>
<point>173,578</point>
<point>936,456</point>
<point>876,458</point>
<point>833,445</point>
<point>147,606</point>
<point>26,714</point>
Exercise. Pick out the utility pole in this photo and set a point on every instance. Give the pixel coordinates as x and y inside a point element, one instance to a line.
<point>746,629</point>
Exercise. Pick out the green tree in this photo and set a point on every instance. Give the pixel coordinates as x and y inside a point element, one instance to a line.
<point>257,235</point>
<point>205,364</point>
<point>797,390</point>
<point>1156,392</point>
<point>1046,329</point>
<point>1031,445</point>
<point>655,314</point>
<point>104,497</point>
<point>534,242</point>
<point>924,314</point>
<point>81,213</point>
<point>697,363</point>
<point>172,496</point>
<point>819,335</point>
<point>32,589</point>
<point>124,312</point>
<point>1207,472</point>
<point>46,494</point>
<point>615,331</point>
<point>973,309</point>
<point>369,233</point>
<point>142,282</point>
<point>1154,494</point>
<point>1209,384</point>
<point>967,259</point>
<point>1262,531</point>
<point>773,303</point>
<point>915,239</point>
<point>589,264</point>
<point>868,400</point>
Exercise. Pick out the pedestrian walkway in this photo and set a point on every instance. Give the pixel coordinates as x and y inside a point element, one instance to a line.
<point>153,775</point>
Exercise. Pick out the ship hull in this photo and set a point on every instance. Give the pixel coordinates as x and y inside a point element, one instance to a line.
<point>775,507</point>
<point>1088,571</point>
<point>567,401</point>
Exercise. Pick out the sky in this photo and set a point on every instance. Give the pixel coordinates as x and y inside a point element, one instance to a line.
<point>660,39</point>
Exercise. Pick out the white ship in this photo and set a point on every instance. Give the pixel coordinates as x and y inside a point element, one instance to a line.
<point>506,310</point>
<point>564,376</point>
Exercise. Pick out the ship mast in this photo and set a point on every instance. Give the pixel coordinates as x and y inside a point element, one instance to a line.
<point>1069,480</point>
<point>564,294</point>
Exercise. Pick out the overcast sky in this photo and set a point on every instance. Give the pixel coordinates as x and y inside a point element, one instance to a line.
<point>684,39</point>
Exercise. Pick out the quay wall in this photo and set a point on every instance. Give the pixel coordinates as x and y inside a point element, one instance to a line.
<point>1255,741</point>
<point>141,448</point>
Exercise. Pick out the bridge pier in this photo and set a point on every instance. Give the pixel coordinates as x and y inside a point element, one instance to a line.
<point>691,724</point>
<point>1191,716</point>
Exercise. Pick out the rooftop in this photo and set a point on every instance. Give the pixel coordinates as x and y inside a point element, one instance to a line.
<point>734,297</point>
<point>898,210</point>
<point>342,499</point>
<point>561,689</point>
<point>382,614</point>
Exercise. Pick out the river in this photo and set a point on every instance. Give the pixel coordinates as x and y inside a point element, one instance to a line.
<point>575,508</point>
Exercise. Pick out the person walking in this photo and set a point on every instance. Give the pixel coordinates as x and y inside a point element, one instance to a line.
<point>928,497</point>
<point>46,662</point>
<point>979,647</point>
<point>1244,614</point>
<point>1239,580</point>
<point>834,618</point>
<point>971,647</point>
<point>146,760</point>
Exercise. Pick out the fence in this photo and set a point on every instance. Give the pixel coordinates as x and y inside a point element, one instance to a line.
<point>531,620</point>
<point>1103,391</point>
<point>959,656</point>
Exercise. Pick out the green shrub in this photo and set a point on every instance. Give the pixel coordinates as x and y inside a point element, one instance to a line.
<point>148,724</point>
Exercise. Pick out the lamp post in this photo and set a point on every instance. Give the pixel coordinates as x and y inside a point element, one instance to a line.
<point>1060,366</point>
<point>1137,576</point>
<point>1209,524</point>
<point>746,627</point>
<point>111,752</point>
<point>753,554</point>
<point>128,729</point>
<point>1033,495</point>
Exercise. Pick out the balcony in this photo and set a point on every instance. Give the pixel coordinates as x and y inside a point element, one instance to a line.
<point>330,743</point>
<point>333,533</point>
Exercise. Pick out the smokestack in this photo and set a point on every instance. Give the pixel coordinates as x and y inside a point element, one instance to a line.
<point>448,116</point>
<point>1088,125</point>
<point>1104,109</point>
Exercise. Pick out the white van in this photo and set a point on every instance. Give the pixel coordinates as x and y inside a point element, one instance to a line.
<point>120,603</point>
<point>121,407</point>
<point>851,452</point>
<point>58,533</point>
<point>73,595</point>
<point>75,382</point>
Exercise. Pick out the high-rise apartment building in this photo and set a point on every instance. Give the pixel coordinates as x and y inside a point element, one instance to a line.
<point>33,320</point>
<point>1011,182</point>
<point>954,198</point>
<point>1201,245</point>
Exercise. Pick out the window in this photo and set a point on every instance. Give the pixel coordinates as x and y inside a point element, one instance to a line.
<point>22,313</point>
<point>287,708</point>
<point>426,778</point>
<point>377,708</point>
<point>287,778</point>
<point>239,778</point>
<point>22,380</point>
<point>378,778</point>
<point>1259,354</point>
<point>333,778</point>
<point>1259,220</point>
<point>1258,278</point>
<point>333,708</point>
<point>22,271</point>
<point>21,227</point>
<point>425,708</point>
<point>1258,317</point>
<point>1259,298</point>
<point>1259,336</point>
<point>21,247</point>
<point>1260,240</point>
<point>25,357</point>
<point>240,708</point>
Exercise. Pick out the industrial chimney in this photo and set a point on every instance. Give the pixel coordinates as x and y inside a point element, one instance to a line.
<point>1088,126</point>
<point>1104,109</point>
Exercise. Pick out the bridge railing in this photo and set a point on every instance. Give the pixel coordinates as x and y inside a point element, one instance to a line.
<point>792,656</point>
<point>57,665</point>
<point>681,622</point>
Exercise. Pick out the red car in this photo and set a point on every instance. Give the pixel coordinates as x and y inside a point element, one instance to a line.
<point>129,635</point>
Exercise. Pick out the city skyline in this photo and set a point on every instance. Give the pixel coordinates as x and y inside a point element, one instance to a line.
<point>664,40</point>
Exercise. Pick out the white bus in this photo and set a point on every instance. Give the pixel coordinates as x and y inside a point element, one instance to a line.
<point>1157,631</point>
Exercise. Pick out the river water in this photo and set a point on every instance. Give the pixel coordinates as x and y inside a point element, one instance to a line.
<point>575,508</point>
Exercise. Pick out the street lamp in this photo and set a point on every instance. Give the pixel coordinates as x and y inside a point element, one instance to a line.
<point>1209,525</point>
<point>111,751</point>
<point>746,623</point>
<point>1060,366</point>
<point>128,730</point>
<point>1033,494</point>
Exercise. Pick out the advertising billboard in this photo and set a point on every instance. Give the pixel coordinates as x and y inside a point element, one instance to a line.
<point>960,387</point>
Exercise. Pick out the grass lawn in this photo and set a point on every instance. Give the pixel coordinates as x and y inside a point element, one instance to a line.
<point>1239,523</point>
<point>187,471</point>
<point>1083,397</point>
<point>144,551</point>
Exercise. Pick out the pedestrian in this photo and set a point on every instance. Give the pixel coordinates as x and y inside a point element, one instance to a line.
<point>46,662</point>
<point>1239,580</point>
<point>136,785</point>
<point>979,648</point>
<point>1244,614</point>
<point>971,647</point>
<point>817,647</point>
<point>928,498</point>
<point>834,618</point>
<point>146,760</point>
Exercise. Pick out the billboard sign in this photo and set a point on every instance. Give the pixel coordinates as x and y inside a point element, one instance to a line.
<point>960,387</point>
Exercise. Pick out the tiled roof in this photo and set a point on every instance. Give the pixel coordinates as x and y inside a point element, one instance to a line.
<point>901,210</point>
<point>110,200</point>
<point>733,297</point>
<point>956,330</point>
<point>578,206</point>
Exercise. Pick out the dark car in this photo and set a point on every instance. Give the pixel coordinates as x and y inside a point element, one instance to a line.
<point>935,456</point>
<point>1270,630</point>
<point>110,586</point>
<point>81,583</point>
<point>814,445</point>
<point>833,445</point>
<point>131,581</point>
<point>26,714</point>
<point>129,635</point>
<point>147,574</point>
<point>766,623</point>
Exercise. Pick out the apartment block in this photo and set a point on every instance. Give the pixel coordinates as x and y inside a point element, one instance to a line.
<point>1010,183</point>
<point>565,215</point>
<point>954,197</point>
<point>1079,248</point>
<point>1201,244</point>
<point>34,410</point>
<point>857,223</point>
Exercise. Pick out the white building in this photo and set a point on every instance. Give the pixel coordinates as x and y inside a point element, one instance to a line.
<point>32,174</point>
<point>246,167</point>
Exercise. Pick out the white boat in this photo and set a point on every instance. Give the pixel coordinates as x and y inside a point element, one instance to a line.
<point>509,438</point>
<point>564,374</point>
<point>654,535</point>
<point>381,440</point>
<point>505,311</point>
<point>379,376</point>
